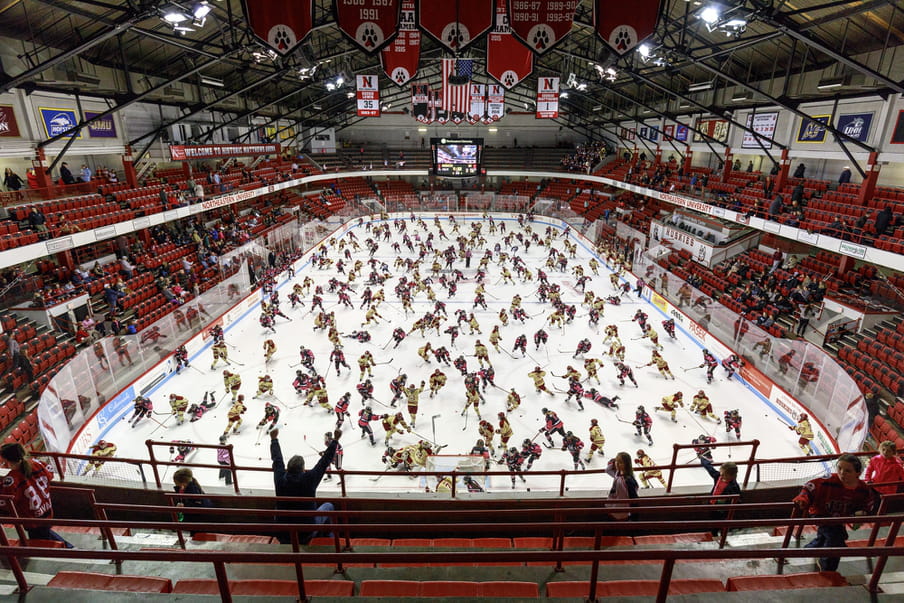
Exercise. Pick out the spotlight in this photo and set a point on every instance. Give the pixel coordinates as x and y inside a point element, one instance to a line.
<point>710,14</point>
<point>201,10</point>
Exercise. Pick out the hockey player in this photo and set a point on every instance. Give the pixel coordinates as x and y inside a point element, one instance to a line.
<point>365,416</point>
<point>306,358</point>
<point>701,446</point>
<point>269,350</point>
<point>397,387</point>
<point>487,377</point>
<point>643,423</point>
<point>574,445</point>
<point>412,397</point>
<point>266,321</point>
<point>271,415</point>
<point>513,401</point>
<point>531,451</point>
<point>624,372</point>
<point>709,361</point>
<point>394,459</point>
<point>503,317</point>
<point>537,376</point>
<point>661,364</point>
<point>216,333</point>
<point>264,386</point>
<point>181,448</point>
<point>424,352</point>
<point>220,352</point>
<point>732,364</point>
<point>461,364</point>
<point>196,411</point>
<point>472,398</point>
<point>703,407</point>
<point>652,335</point>
<point>577,390</point>
<point>232,382</point>
<point>733,422</point>
<point>540,337</point>
<point>597,439</point>
<point>640,317</point>
<point>441,354</point>
<point>617,350</point>
<point>366,389</point>
<point>513,460</point>
<point>553,425</point>
<point>504,430</point>
<point>644,460</point>
<point>611,333</point>
<point>359,336</point>
<point>337,357</point>
<point>480,351</point>
<point>143,408</point>
<point>669,327</point>
<point>600,399</point>
<point>366,364</point>
<point>394,424</point>
<point>521,344</point>
<point>591,365</point>
<point>805,432</point>
<point>671,403</point>
<point>437,381</point>
<point>487,433</point>
<point>341,408</point>
<point>371,316</point>
<point>178,404</point>
<point>234,416</point>
<point>181,358</point>
<point>398,334</point>
<point>495,338</point>
<point>583,347</point>
<point>102,449</point>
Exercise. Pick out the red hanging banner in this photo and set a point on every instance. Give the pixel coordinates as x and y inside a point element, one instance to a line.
<point>625,25</point>
<point>455,24</point>
<point>508,60</point>
<point>547,97</point>
<point>280,24</point>
<point>541,25</point>
<point>370,23</point>
<point>400,58</point>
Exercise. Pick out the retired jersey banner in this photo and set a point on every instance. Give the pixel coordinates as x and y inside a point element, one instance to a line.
<point>9,127</point>
<point>624,25</point>
<point>495,102</point>
<point>438,19</point>
<point>547,97</point>
<point>401,57</point>
<point>541,25</point>
<point>368,95</point>
<point>281,24</point>
<point>508,60</point>
<point>420,103</point>
<point>477,103</point>
<point>370,23</point>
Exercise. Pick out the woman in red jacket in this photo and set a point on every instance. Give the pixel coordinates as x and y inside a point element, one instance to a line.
<point>885,467</point>
<point>28,482</point>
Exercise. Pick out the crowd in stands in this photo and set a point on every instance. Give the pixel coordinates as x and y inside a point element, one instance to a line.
<point>585,157</point>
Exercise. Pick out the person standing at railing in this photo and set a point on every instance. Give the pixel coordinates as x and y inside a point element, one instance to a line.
<point>28,482</point>
<point>624,484</point>
<point>293,481</point>
<point>885,467</point>
<point>843,494</point>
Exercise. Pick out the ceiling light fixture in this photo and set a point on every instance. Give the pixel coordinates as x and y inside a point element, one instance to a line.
<point>173,14</point>
<point>700,86</point>
<point>739,97</point>
<point>211,81</point>
<point>831,82</point>
<point>710,14</point>
<point>201,9</point>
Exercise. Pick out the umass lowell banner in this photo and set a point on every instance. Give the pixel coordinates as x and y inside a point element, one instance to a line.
<point>280,24</point>
<point>370,23</point>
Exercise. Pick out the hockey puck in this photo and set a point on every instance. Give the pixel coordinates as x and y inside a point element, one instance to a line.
<point>528,489</point>
<point>260,458</point>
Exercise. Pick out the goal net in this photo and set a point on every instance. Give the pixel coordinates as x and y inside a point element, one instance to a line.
<point>463,463</point>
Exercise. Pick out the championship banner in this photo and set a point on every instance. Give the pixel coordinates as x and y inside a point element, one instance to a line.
<point>508,60</point>
<point>547,97</point>
<point>477,106</point>
<point>764,125</point>
<point>400,58</point>
<point>541,25</point>
<point>370,23</point>
<point>624,25</point>
<point>495,102</point>
<point>280,24</point>
<point>438,20</point>
<point>368,95</point>
<point>209,151</point>
<point>420,103</point>
<point>9,127</point>
<point>716,129</point>
<point>668,132</point>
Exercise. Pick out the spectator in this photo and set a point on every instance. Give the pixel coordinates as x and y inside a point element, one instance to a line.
<point>624,485</point>
<point>185,483</point>
<point>224,459</point>
<point>883,219</point>
<point>32,178</point>
<point>126,268</point>
<point>799,172</point>
<point>775,208</point>
<point>737,165</point>
<point>885,467</point>
<point>292,480</point>
<point>872,408</point>
<point>843,494</point>
<point>750,167</point>
<point>86,173</point>
<point>37,220</point>
<point>198,191</point>
<point>217,182</point>
<point>111,296</point>
<point>725,482</point>
<point>28,482</point>
<point>797,193</point>
<point>11,180</point>
<point>806,313</point>
<point>66,175</point>
<point>845,176</point>
<point>65,226</point>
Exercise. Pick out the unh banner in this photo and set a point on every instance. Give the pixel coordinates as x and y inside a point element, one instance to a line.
<point>508,60</point>
<point>370,23</point>
<point>624,25</point>
<point>455,25</point>
<point>400,58</point>
<point>541,25</point>
<point>280,24</point>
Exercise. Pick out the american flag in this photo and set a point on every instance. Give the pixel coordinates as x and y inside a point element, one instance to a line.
<point>456,98</point>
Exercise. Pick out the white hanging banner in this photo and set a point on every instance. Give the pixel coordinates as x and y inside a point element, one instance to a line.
<point>547,97</point>
<point>495,102</point>
<point>368,95</point>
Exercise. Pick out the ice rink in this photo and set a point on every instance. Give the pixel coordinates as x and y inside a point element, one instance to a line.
<point>302,428</point>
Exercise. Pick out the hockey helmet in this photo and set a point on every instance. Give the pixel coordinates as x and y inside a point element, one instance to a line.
<point>705,351</point>
<point>226,373</point>
<point>399,415</point>
<point>640,408</point>
<point>222,439</point>
<point>702,437</point>
<point>513,450</point>
<point>526,442</point>
<point>480,443</point>
<point>701,393</point>
<point>298,373</point>
<point>328,435</point>
<point>268,405</point>
<point>545,410</point>
<point>173,396</point>
<point>501,415</point>
<point>536,368</point>
<point>803,416</point>
<point>679,395</point>
<point>367,408</point>
<point>594,422</point>
<point>641,453</point>
<point>568,434</point>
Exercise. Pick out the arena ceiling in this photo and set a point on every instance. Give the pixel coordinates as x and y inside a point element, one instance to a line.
<point>755,52</point>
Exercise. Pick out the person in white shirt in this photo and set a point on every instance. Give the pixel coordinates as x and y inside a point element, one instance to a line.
<point>86,173</point>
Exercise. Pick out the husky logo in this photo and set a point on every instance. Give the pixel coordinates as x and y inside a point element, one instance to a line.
<point>282,38</point>
<point>369,35</point>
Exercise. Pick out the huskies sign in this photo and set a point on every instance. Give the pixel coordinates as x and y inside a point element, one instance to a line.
<point>370,23</point>
<point>624,25</point>
<point>280,24</point>
<point>456,24</point>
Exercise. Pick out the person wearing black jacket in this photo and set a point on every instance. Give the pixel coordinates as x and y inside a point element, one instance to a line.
<point>725,482</point>
<point>185,483</point>
<point>293,481</point>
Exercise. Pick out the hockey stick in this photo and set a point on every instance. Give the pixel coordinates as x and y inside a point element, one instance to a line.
<point>163,425</point>
<point>237,362</point>
<point>467,415</point>
<point>620,420</point>
<point>690,368</point>
<point>386,345</point>
<point>387,362</point>
<point>433,421</point>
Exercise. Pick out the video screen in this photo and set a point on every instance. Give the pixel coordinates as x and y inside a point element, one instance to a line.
<point>458,158</point>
